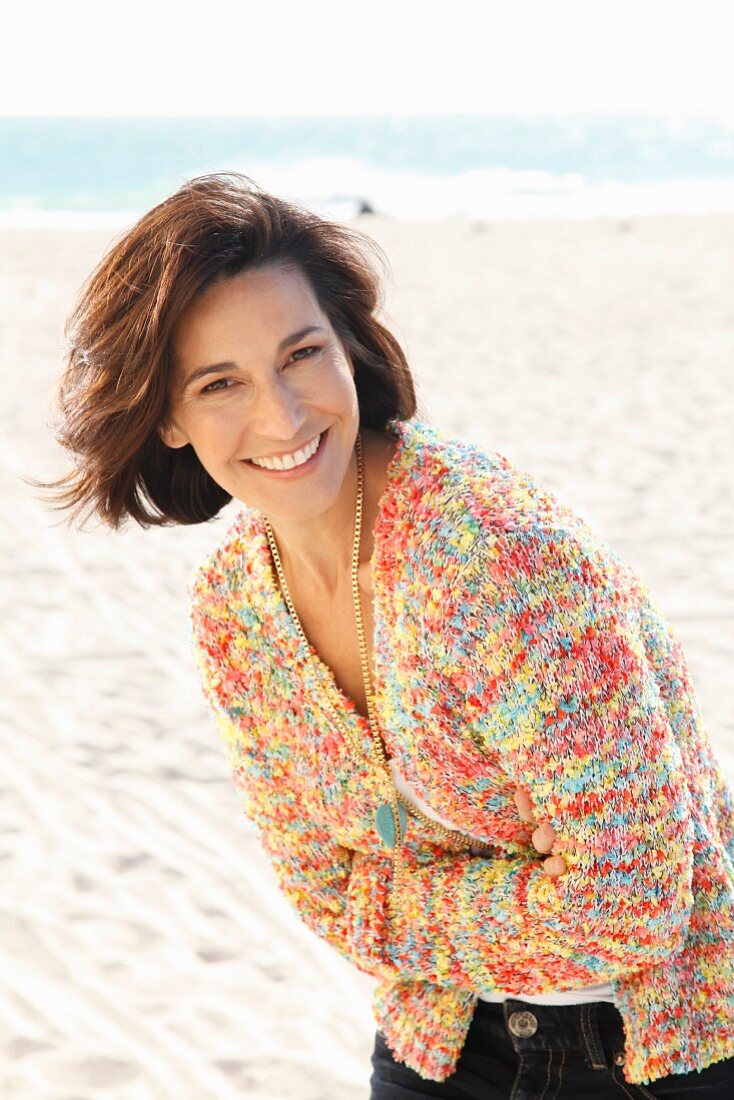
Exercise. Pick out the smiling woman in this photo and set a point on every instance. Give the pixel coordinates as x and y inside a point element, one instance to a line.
<point>273,413</point>
<point>141,307</point>
<point>497,795</point>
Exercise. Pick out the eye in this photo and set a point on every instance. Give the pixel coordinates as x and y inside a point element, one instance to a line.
<point>218,384</point>
<point>309,352</point>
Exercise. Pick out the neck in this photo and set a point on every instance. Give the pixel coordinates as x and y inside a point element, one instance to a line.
<point>317,554</point>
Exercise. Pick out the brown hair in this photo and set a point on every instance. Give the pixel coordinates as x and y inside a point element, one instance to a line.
<point>114,393</point>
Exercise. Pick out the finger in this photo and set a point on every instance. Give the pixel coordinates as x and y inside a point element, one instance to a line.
<point>522,799</point>
<point>554,865</point>
<point>524,806</point>
<point>544,838</point>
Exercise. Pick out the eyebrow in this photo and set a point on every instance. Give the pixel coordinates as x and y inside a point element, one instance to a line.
<point>216,368</point>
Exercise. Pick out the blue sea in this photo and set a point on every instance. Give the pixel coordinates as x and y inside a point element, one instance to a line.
<point>87,171</point>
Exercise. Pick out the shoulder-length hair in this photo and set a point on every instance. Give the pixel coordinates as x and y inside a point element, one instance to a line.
<point>116,387</point>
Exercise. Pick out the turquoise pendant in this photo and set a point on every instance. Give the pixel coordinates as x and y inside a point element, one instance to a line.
<point>385,823</point>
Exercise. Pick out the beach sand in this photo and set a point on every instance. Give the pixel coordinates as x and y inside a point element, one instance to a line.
<point>146,951</point>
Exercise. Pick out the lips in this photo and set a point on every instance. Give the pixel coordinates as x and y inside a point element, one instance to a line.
<point>293,469</point>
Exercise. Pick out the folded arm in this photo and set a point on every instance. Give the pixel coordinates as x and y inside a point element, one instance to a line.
<point>574,710</point>
<point>549,643</point>
<point>568,701</point>
<point>464,920</point>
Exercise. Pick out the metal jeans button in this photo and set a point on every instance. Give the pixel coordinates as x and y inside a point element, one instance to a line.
<point>522,1024</point>
<point>619,1058</point>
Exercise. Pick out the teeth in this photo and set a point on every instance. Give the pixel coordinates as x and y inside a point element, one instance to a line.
<point>287,462</point>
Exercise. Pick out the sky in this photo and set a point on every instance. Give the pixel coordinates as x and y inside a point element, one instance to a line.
<point>327,57</point>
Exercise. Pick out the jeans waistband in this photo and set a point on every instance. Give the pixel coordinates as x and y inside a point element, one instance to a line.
<point>594,1027</point>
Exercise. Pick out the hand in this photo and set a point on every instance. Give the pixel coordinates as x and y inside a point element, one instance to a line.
<point>544,836</point>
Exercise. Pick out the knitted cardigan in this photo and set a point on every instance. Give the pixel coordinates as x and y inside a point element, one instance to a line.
<point>511,648</point>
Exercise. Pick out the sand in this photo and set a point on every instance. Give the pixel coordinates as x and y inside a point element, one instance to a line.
<point>146,951</point>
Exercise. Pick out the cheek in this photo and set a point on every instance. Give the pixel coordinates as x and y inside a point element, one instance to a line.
<point>214,432</point>
<point>344,383</point>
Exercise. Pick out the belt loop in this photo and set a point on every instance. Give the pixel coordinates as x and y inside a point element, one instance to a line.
<point>589,1031</point>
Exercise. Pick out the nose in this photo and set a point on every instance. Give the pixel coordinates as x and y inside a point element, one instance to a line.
<point>278,413</point>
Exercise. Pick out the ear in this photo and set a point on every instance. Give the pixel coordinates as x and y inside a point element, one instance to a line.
<point>172,436</point>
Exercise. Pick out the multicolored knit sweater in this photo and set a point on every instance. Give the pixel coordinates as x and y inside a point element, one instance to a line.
<point>512,648</point>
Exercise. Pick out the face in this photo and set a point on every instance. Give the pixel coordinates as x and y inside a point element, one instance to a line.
<point>251,384</point>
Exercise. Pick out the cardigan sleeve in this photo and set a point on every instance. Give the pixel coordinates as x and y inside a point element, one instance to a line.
<point>499,923</point>
<point>311,869</point>
<point>563,690</point>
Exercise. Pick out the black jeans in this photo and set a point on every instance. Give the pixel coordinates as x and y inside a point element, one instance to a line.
<point>522,1051</point>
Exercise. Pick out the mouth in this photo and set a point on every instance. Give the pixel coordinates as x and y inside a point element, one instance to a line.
<point>293,471</point>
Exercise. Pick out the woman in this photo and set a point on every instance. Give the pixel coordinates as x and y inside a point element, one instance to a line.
<point>467,739</point>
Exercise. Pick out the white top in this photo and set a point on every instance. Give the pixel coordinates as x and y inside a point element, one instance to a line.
<point>601,992</point>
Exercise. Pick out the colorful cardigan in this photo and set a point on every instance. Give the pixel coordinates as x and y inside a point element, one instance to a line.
<point>512,648</point>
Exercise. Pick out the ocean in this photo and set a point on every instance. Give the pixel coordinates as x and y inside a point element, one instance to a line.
<point>87,171</point>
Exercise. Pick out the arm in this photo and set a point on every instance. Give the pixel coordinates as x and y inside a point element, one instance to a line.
<point>571,704</point>
<point>467,921</point>
<point>459,924</point>
<point>313,871</point>
<point>550,654</point>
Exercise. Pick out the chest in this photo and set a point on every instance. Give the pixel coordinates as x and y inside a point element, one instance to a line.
<point>331,628</point>
<point>428,726</point>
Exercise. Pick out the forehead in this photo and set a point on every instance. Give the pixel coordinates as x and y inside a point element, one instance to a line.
<point>275,288</point>
<point>254,307</point>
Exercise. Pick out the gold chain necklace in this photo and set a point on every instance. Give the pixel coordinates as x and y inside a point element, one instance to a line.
<point>391,814</point>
